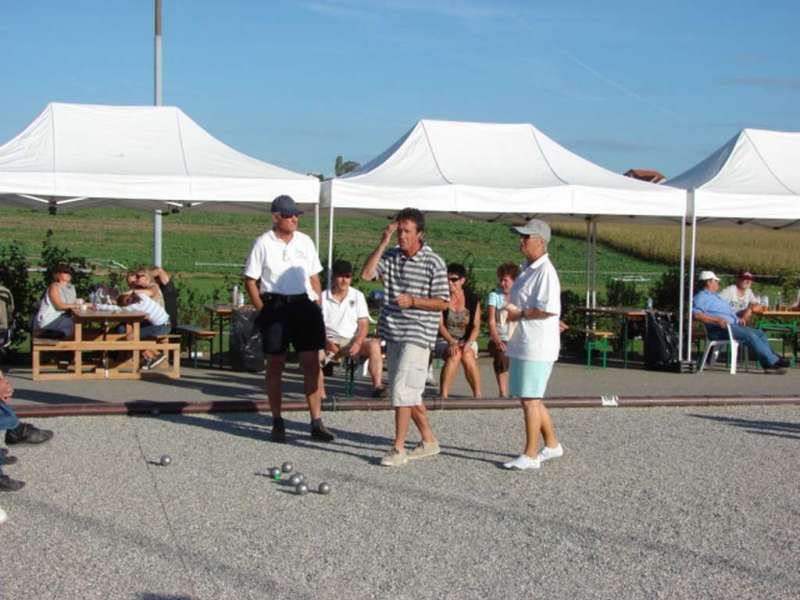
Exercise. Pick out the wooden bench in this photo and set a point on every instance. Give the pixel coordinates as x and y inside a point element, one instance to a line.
<point>126,369</point>
<point>193,334</point>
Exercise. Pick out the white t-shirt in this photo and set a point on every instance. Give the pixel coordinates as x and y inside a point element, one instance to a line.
<point>536,287</point>
<point>283,268</point>
<point>738,303</point>
<point>154,311</point>
<point>341,318</point>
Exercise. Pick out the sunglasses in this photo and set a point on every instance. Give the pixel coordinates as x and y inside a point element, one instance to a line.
<point>288,216</point>
<point>453,279</point>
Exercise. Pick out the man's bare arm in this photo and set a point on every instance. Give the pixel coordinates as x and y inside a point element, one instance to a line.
<point>369,270</point>
<point>251,285</point>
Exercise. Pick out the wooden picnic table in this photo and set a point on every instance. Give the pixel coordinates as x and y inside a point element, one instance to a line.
<point>219,314</point>
<point>624,314</point>
<point>783,322</point>
<point>95,331</point>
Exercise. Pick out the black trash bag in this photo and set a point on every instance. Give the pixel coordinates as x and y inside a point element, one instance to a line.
<point>660,343</point>
<point>246,353</point>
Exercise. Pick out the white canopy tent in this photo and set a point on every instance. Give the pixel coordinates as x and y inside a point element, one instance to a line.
<point>154,157</point>
<point>495,170</point>
<point>752,180</point>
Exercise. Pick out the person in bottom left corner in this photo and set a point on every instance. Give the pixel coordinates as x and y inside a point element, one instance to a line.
<point>17,432</point>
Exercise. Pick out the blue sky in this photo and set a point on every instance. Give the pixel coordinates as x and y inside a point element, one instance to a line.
<point>625,84</point>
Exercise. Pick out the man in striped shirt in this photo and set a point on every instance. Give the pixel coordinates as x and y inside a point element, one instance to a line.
<point>415,284</point>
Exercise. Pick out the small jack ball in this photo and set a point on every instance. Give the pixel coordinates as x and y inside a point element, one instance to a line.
<point>295,480</point>
<point>287,467</point>
<point>275,473</point>
<point>165,460</point>
<point>324,488</point>
<point>301,489</point>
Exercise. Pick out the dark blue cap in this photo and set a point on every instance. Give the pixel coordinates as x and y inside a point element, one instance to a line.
<point>285,205</point>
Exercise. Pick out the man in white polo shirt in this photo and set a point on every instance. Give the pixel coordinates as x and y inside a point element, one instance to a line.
<point>281,278</point>
<point>346,316</point>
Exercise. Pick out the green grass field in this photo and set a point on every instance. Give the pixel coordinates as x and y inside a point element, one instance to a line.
<point>206,249</point>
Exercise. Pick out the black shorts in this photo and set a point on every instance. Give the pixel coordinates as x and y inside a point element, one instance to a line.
<point>500,360</point>
<point>294,320</point>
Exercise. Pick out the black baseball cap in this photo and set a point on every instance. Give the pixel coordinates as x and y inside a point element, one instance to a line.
<point>285,205</point>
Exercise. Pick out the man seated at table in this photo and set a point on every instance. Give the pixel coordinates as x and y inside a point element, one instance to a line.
<point>741,297</point>
<point>346,316</point>
<point>156,322</point>
<point>716,314</point>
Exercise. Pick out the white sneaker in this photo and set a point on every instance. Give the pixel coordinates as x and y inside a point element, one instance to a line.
<point>3,516</point>
<point>548,453</point>
<point>522,463</point>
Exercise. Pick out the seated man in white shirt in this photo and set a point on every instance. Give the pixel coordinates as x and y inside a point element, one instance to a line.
<point>155,324</point>
<point>741,297</point>
<point>346,316</point>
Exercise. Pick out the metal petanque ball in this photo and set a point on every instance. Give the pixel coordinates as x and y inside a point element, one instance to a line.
<point>287,467</point>
<point>302,477</point>
<point>165,460</point>
<point>301,489</point>
<point>295,480</point>
<point>324,488</point>
<point>275,473</point>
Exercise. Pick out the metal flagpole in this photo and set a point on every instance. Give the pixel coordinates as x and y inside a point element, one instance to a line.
<point>157,102</point>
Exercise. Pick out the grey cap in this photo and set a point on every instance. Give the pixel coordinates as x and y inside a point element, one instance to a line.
<point>536,228</point>
<point>285,205</point>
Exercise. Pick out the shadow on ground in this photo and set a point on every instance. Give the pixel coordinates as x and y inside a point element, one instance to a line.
<point>783,429</point>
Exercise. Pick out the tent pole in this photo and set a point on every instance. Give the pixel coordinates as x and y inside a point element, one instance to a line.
<point>594,262</point>
<point>691,281</point>
<point>157,98</point>
<point>681,279</point>
<point>588,261</point>
<point>157,238</point>
<point>316,225</point>
<point>330,243</point>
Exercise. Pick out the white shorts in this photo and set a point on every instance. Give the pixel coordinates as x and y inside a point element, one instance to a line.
<point>408,370</point>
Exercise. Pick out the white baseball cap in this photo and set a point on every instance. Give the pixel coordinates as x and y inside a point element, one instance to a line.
<point>706,275</point>
<point>536,228</point>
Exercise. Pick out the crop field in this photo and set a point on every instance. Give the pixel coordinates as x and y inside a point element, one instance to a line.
<point>724,249</point>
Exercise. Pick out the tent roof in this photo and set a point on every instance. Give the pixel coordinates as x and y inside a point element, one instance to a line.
<point>753,176</point>
<point>135,155</point>
<point>494,168</point>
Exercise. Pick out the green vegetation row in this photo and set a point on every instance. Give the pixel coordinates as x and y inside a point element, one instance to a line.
<point>728,249</point>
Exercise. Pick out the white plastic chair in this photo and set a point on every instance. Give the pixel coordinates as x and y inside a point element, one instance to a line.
<point>713,347</point>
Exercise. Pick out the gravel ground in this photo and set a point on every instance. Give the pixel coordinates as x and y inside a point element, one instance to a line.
<point>646,503</point>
